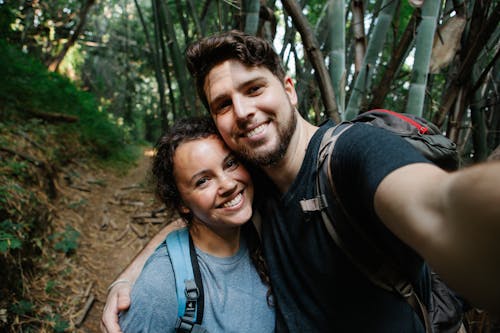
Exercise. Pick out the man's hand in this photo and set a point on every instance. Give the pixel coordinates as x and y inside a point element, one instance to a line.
<point>119,291</point>
<point>118,300</point>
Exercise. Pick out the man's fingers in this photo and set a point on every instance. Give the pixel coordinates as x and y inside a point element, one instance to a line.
<point>118,300</point>
<point>123,302</point>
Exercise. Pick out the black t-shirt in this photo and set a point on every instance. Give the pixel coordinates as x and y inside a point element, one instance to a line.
<point>316,287</point>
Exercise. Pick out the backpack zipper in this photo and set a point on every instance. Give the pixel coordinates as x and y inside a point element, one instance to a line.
<point>421,128</point>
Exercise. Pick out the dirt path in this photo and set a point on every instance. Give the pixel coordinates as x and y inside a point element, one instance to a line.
<point>115,219</point>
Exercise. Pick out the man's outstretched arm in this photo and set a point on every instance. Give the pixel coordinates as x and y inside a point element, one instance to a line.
<point>452,220</point>
<point>118,298</point>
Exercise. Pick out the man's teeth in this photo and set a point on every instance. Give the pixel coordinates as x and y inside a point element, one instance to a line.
<point>256,130</point>
<point>233,202</point>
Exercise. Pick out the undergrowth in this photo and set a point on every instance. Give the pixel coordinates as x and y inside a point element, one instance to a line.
<point>33,152</point>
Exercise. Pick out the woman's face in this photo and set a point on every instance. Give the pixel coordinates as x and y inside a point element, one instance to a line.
<point>213,185</point>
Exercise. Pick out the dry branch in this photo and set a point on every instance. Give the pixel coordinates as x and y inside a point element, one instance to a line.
<point>29,139</point>
<point>131,187</point>
<point>132,203</point>
<point>80,188</point>
<point>85,311</point>
<point>53,117</point>
<point>98,182</point>
<point>120,237</point>
<point>137,231</point>
<point>152,220</point>
<point>26,157</point>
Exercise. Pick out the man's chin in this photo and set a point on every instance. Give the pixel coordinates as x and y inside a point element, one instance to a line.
<point>264,159</point>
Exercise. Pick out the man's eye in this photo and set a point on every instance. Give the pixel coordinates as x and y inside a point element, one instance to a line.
<point>254,89</point>
<point>232,163</point>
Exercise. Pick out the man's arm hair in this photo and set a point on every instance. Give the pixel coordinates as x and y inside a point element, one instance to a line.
<point>452,220</point>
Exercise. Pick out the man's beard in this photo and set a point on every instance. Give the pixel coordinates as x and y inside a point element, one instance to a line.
<point>271,158</point>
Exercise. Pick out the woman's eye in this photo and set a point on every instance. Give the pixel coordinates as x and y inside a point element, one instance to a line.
<point>201,181</point>
<point>222,107</point>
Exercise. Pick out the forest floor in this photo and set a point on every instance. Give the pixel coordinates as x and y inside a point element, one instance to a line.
<point>115,215</point>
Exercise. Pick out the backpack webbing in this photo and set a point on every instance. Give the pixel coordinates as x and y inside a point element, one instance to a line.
<point>347,234</point>
<point>188,281</point>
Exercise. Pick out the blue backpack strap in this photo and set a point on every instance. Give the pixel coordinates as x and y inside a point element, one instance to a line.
<point>187,281</point>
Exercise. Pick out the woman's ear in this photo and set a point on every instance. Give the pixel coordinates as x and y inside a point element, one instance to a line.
<point>183,209</point>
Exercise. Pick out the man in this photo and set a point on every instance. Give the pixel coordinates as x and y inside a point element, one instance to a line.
<point>412,208</point>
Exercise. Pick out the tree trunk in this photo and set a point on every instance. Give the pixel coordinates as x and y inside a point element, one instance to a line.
<point>423,50</point>
<point>56,61</point>
<point>186,94</point>
<point>479,129</point>
<point>158,72</point>
<point>358,28</point>
<point>363,81</point>
<point>315,56</point>
<point>336,41</point>
<point>251,14</point>
<point>380,92</point>
<point>194,15</point>
<point>475,46</point>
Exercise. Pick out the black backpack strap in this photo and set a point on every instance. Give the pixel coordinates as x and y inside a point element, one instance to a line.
<point>188,281</point>
<point>352,240</point>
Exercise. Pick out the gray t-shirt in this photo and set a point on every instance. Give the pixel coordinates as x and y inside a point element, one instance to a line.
<point>235,297</point>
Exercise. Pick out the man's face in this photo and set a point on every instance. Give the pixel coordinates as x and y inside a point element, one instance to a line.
<point>253,110</point>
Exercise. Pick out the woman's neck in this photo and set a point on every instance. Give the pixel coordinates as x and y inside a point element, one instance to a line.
<point>220,243</point>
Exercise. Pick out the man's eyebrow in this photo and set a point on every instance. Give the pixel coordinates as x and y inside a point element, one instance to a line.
<point>241,86</point>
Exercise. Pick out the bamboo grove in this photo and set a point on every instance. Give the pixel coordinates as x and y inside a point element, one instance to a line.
<point>436,59</point>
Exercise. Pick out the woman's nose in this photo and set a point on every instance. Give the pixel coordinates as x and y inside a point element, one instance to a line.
<point>227,185</point>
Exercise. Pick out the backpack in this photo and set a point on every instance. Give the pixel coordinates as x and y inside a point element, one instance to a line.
<point>446,310</point>
<point>188,282</point>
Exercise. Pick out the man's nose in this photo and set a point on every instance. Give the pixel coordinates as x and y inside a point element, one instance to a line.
<point>241,107</point>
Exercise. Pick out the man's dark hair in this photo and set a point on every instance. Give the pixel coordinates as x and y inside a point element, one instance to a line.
<point>208,52</point>
<point>182,131</point>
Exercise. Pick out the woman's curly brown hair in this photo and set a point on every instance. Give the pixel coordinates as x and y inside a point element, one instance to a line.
<point>186,130</point>
<point>182,131</point>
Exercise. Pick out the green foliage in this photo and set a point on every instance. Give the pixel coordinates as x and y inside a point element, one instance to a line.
<point>66,241</point>
<point>77,204</point>
<point>59,324</point>
<point>22,307</point>
<point>50,286</point>
<point>28,87</point>
<point>16,228</point>
<point>9,238</point>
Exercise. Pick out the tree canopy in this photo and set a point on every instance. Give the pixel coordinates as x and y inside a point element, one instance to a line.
<point>437,59</point>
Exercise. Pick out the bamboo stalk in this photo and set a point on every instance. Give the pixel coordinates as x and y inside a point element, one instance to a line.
<point>363,81</point>
<point>423,50</point>
<point>336,41</point>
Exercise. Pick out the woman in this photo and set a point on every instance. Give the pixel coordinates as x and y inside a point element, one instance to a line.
<point>199,176</point>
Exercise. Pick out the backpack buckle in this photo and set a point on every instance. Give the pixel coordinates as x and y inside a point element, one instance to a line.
<point>191,290</point>
<point>184,324</point>
<point>313,205</point>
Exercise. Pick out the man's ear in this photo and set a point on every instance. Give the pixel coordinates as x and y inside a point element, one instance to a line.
<point>290,90</point>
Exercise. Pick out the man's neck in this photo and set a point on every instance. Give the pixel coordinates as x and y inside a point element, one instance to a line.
<point>283,173</point>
